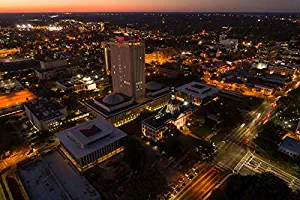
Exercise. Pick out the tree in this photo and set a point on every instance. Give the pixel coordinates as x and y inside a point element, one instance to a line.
<point>146,186</point>
<point>134,153</point>
<point>263,186</point>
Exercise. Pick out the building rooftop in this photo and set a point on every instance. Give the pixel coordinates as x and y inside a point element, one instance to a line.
<point>88,137</point>
<point>154,89</point>
<point>292,67</point>
<point>39,184</point>
<point>198,89</point>
<point>20,65</point>
<point>44,109</point>
<point>50,69</point>
<point>128,40</point>
<point>54,178</point>
<point>291,144</point>
<point>158,121</point>
<point>161,119</point>
<point>76,186</point>
<point>66,82</point>
<point>153,86</point>
<point>174,67</point>
<point>213,65</point>
<point>112,100</point>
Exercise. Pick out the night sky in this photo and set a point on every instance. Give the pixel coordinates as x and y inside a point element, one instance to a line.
<point>149,5</point>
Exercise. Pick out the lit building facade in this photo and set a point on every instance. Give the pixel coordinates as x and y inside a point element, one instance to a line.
<point>107,59</point>
<point>283,70</point>
<point>120,109</point>
<point>196,92</point>
<point>45,114</point>
<point>174,112</point>
<point>127,58</point>
<point>91,142</point>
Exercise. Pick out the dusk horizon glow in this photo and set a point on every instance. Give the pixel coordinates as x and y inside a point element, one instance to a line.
<point>9,6</point>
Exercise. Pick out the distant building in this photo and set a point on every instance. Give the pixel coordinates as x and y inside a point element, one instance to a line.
<point>175,112</point>
<point>212,66</point>
<point>228,42</point>
<point>53,64</point>
<point>22,65</point>
<point>10,84</point>
<point>91,142</point>
<point>45,114</point>
<point>283,69</point>
<point>174,71</point>
<point>81,83</point>
<point>290,146</point>
<point>196,92</point>
<point>260,65</point>
<point>49,73</point>
<point>268,53</point>
<point>127,57</point>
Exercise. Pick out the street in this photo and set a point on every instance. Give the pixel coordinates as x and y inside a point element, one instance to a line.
<point>232,154</point>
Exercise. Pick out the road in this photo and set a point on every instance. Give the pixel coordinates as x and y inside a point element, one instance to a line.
<point>257,165</point>
<point>209,178</point>
<point>15,98</point>
<point>232,155</point>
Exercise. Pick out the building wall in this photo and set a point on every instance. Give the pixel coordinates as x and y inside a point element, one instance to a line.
<point>188,97</point>
<point>288,152</point>
<point>151,133</point>
<point>282,70</point>
<point>101,152</point>
<point>158,103</point>
<point>128,69</point>
<point>33,119</point>
<point>129,115</point>
<point>45,125</point>
<point>107,60</point>
<point>61,72</point>
<point>53,64</point>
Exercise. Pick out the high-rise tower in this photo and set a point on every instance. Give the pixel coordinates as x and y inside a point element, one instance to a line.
<point>128,66</point>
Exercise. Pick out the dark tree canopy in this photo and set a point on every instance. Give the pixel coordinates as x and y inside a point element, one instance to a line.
<point>265,186</point>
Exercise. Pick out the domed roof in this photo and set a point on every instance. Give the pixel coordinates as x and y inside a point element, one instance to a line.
<point>113,99</point>
<point>153,86</point>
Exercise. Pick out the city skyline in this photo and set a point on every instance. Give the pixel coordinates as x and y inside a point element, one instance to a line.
<point>7,6</point>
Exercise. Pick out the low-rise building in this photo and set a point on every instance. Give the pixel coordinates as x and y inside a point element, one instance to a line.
<point>154,127</point>
<point>174,112</point>
<point>173,71</point>
<point>45,114</point>
<point>120,109</point>
<point>283,69</point>
<point>212,66</point>
<point>228,42</point>
<point>49,73</point>
<point>79,83</point>
<point>10,85</point>
<point>290,147</point>
<point>50,64</point>
<point>196,92</point>
<point>53,177</point>
<point>91,142</point>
